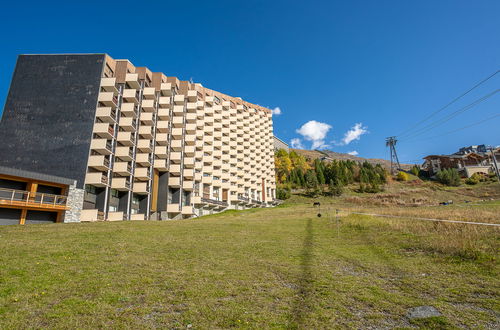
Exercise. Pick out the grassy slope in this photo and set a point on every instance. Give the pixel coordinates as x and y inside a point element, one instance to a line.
<point>279,267</point>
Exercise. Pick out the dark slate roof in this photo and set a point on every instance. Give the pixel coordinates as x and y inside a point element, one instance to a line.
<point>35,176</point>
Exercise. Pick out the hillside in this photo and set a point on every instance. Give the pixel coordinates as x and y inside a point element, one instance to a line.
<point>281,267</point>
<point>313,154</point>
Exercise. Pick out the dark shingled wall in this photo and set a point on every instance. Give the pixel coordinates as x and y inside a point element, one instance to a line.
<point>49,114</point>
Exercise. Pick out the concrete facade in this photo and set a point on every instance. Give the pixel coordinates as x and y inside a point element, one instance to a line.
<point>140,145</point>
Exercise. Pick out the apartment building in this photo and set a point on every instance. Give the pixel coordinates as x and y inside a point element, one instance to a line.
<point>138,144</point>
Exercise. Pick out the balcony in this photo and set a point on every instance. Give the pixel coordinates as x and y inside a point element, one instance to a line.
<point>178,121</point>
<point>189,151</point>
<point>175,156</point>
<point>179,99</point>
<point>174,181</point>
<point>97,179</point>
<point>191,128</point>
<point>188,173</point>
<point>189,162</point>
<point>124,153</point>
<point>146,131</point>
<point>187,210</point>
<point>161,164</point>
<point>173,208</point>
<point>196,200</point>
<point>176,145</point>
<point>121,184</point>
<point>109,99</point>
<point>161,151</point>
<point>164,102</point>
<point>131,96</point>
<point>145,145</point>
<point>106,114</point>
<point>142,173</point>
<point>192,96</point>
<point>177,133</point>
<point>132,80</point>
<point>109,85</point>
<point>175,169</point>
<point>137,216</point>
<point>141,188</point>
<point>162,139</point>
<point>122,168</point>
<point>166,89</point>
<point>128,124</point>
<point>147,118</point>
<point>209,100</point>
<point>126,138</point>
<point>191,107</point>
<point>162,126</point>
<point>115,216</point>
<point>128,110</point>
<point>148,105</point>
<point>99,162</point>
<point>188,185</point>
<point>144,159</point>
<point>102,146</point>
<point>191,118</point>
<point>21,198</point>
<point>190,140</point>
<point>149,93</point>
<point>163,114</point>
<point>104,130</point>
<point>178,110</point>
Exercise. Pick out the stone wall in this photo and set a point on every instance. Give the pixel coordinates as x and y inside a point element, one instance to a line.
<point>74,203</point>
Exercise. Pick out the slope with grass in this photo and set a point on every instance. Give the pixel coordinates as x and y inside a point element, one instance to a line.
<point>260,268</point>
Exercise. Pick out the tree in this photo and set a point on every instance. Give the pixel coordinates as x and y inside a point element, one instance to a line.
<point>449,177</point>
<point>312,183</point>
<point>336,188</point>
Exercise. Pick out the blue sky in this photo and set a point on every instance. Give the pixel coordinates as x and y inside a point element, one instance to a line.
<point>382,65</point>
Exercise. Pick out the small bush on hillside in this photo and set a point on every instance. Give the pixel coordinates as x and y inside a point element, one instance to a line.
<point>415,170</point>
<point>402,176</point>
<point>474,179</point>
<point>449,177</point>
<point>283,193</point>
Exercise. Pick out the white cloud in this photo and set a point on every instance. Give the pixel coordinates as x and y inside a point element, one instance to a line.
<point>296,143</point>
<point>354,133</point>
<point>316,132</point>
<point>353,153</point>
<point>276,111</point>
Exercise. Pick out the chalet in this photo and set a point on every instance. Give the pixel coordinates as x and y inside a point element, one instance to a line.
<point>468,160</point>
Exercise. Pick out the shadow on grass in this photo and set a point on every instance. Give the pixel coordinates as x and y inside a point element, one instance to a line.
<point>302,304</point>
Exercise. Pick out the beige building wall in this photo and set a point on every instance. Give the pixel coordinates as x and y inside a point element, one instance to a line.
<point>166,149</point>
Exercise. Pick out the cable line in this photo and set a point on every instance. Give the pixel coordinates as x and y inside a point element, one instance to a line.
<point>450,116</point>
<point>405,132</point>
<point>458,129</point>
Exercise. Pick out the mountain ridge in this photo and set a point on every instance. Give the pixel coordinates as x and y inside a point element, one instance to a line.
<point>314,154</point>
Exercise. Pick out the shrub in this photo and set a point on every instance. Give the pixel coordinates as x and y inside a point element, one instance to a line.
<point>283,193</point>
<point>474,179</point>
<point>415,170</point>
<point>402,176</point>
<point>449,177</point>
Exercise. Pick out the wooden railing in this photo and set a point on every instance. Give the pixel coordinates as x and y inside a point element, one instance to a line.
<point>31,199</point>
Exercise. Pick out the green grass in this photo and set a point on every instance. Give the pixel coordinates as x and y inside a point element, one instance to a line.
<point>261,268</point>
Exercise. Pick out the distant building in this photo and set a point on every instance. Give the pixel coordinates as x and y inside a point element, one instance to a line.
<point>468,160</point>
<point>280,144</point>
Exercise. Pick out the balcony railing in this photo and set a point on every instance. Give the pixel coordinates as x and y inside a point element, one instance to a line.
<point>213,201</point>
<point>26,198</point>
